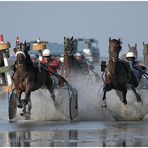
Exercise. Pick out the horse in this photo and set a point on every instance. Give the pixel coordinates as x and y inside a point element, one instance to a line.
<point>72,66</point>
<point>28,78</point>
<point>117,73</point>
<point>145,54</point>
<point>133,49</point>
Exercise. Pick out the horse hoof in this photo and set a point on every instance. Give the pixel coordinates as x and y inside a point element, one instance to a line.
<point>22,114</point>
<point>27,116</point>
<point>124,102</point>
<point>55,103</point>
<point>19,106</point>
<point>140,102</point>
<point>105,106</point>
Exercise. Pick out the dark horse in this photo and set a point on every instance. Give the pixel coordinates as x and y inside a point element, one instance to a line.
<point>133,49</point>
<point>69,52</point>
<point>145,54</point>
<point>117,73</point>
<point>28,78</point>
<point>71,65</point>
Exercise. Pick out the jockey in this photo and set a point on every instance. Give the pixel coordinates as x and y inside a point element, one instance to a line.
<point>79,57</point>
<point>137,69</point>
<point>83,61</point>
<point>51,63</point>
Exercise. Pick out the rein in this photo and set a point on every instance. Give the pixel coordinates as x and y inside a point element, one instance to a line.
<point>58,76</point>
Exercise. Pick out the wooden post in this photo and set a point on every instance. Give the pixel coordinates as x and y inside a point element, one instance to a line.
<point>39,46</point>
<point>3,47</point>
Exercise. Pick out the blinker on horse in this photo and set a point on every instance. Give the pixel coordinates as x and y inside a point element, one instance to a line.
<point>117,73</point>
<point>28,78</point>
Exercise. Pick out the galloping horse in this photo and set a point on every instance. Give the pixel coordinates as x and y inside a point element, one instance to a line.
<point>145,54</point>
<point>70,64</point>
<point>117,73</point>
<point>133,49</point>
<point>28,78</point>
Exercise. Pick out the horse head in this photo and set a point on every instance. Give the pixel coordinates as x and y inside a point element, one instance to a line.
<point>21,51</point>
<point>133,49</point>
<point>114,49</point>
<point>145,54</point>
<point>24,47</point>
<point>69,45</point>
<point>145,49</point>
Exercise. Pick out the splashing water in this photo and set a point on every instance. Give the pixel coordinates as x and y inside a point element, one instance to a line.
<point>89,103</point>
<point>43,108</point>
<point>132,111</point>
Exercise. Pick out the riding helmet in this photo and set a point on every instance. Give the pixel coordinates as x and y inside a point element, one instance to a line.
<point>130,55</point>
<point>46,52</point>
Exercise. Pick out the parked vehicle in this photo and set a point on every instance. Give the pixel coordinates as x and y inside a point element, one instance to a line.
<point>89,47</point>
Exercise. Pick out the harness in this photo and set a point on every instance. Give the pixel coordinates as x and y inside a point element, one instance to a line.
<point>113,77</point>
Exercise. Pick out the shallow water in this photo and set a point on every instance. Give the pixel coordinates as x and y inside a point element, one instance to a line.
<point>81,133</point>
<point>94,126</point>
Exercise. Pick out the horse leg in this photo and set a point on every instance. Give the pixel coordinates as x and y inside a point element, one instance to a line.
<point>137,95</point>
<point>105,89</point>
<point>27,110</point>
<point>49,85</point>
<point>104,105</point>
<point>124,97</point>
<point>27,104</point>
<point>19,102</point>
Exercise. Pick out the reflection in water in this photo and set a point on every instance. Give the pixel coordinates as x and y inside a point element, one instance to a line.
<point>19,139</point>
<point>109,134</point>
<point>42,138</point>
<point>73,135</point>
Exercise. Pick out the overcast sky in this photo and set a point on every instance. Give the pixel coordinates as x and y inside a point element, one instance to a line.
<point>52,20</point>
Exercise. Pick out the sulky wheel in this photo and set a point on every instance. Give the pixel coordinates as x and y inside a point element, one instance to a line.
<point>73,106</point>
<point>12,106</point>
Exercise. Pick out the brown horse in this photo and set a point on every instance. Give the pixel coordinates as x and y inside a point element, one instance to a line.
<point>133,49</point>
<point>28,78</point>
<point>145,54</point>
<point>70,64</point>
<point>117,73</point>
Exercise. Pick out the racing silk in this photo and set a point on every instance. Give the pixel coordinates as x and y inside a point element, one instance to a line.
<point>52,65</point>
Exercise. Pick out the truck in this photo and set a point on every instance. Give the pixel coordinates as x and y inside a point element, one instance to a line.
<point>89,48</point>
